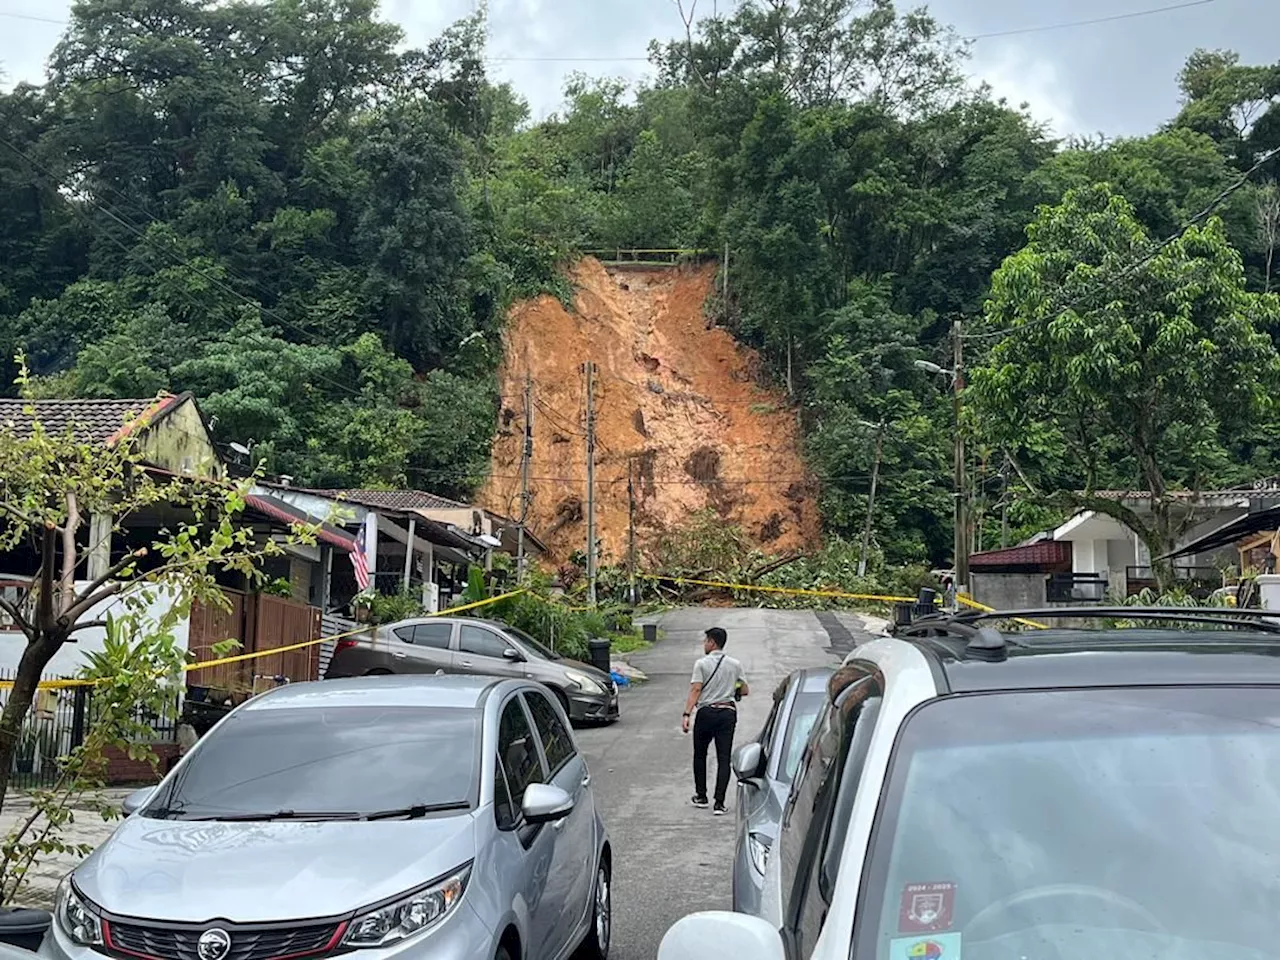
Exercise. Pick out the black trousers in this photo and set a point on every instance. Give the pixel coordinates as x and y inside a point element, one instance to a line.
<point>713,724</point>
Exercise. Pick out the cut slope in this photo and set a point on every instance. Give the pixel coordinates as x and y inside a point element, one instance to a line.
<point>678,398</point>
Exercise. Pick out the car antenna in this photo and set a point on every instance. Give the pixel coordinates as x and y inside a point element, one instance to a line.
<point>987,643</point>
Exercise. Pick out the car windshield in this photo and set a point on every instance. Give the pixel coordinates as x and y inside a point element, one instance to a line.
<point>803,712</point>
<point>329,761</point>
<point>535,647</point>
<point>1080,825</point>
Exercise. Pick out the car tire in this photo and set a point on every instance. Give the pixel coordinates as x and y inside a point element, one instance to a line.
<point>503,954</point>
<point>600,937</point>
<point>564,701</point>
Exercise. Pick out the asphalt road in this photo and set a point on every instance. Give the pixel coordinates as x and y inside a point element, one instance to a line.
<point>671,859</point>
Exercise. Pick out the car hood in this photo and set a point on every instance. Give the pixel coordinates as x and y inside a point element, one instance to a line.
<point>594,672</point>
<point>262,872</point>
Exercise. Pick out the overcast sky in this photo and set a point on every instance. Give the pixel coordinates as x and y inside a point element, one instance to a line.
<point>1114,78</point>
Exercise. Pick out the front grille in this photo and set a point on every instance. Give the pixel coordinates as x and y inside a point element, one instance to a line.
<point>179,942</point>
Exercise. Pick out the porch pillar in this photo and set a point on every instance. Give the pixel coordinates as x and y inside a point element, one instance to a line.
<point>99,556</point>
<point>408,553</point>
<point>371,547</point>
<point>430,594</point>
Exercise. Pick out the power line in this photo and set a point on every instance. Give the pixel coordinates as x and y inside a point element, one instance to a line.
<point>1133,15</point>
<point>1142,261</point>
<point>31,16</point>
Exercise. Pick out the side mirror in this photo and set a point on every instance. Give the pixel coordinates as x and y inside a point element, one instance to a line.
<point>512,654</point>
<point>702,935</point>
<point>137,800</point>
<point>544,803</point>
<point>748,762</point>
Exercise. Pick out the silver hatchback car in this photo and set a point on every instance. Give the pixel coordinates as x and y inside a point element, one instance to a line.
<point>398,817</point>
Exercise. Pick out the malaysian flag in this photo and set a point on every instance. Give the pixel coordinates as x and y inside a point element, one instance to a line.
<point>360,563</point>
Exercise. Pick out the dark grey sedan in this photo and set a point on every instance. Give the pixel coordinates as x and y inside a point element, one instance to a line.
<point>765,768</point>
<point>478,647</point>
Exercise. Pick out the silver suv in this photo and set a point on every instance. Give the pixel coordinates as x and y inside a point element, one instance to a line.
<point>388,819</point>
<point>483,647</point>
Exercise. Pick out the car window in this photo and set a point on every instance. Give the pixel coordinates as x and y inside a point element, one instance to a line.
<point>328,760</point>
<point>436,635</point>
<point>481,642</point>
<point>533,645</point>
<point>1119,823</point>
<point>803,713</point>
<point>806,906</point>
<point>556,741</point>
<point>518,752</point>
<point>504,812</point>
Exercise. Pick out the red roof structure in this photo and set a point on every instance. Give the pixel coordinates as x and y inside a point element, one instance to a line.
<point>1047,556</point>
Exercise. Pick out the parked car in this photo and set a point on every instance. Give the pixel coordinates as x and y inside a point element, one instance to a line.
<point>1073,794</point>
<point>448,817</point>
<point>765,768</point>
<point>483,647</point>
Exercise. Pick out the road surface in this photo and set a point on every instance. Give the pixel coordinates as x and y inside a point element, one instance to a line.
<point>671,859</point>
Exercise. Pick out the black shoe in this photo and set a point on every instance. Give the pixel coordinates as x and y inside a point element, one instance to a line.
<point>701,802</point>
<point>721,810</point>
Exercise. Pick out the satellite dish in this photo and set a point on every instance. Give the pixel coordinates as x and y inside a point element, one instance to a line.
<point>240,448</point>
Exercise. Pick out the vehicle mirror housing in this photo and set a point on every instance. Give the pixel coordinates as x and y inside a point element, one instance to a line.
<point>737,935</point>
<point>137,800</point>
<point>748,761</point>
<point>511,653</point>
<point>544,803</point>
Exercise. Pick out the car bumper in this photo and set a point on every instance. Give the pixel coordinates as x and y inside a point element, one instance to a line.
<point>594,708</point>
<point>463,936</point>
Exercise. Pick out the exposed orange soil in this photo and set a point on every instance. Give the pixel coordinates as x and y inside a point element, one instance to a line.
<point>680,399</point>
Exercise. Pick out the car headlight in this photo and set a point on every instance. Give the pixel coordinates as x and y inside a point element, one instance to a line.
<point>584,683</point>
<point>77,916</point>
<point>758,847</point>
<point>408,916</point>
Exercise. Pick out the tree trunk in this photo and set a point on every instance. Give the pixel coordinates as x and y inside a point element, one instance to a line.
<point>1160,542</point>
<point>40,650</point>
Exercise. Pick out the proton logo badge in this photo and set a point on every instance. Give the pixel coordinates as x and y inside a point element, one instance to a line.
<point>213,944</point>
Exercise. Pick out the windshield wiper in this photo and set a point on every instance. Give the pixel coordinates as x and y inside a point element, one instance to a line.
<point>417,811</point>
<point>280,815</point>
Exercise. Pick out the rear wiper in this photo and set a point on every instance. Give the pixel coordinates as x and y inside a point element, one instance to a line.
<point>417,811</point>
<point>281,815</point>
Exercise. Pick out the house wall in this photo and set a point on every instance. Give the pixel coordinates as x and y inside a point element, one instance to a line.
<point>180,443</point>
<point>72,658</point>
<point>1009,591</point>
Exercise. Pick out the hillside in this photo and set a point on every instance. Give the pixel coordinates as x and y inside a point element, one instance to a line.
<point>681,400</point>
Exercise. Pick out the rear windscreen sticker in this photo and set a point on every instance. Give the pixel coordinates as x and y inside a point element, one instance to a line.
<point>942,946</point>
<point>927,907</point>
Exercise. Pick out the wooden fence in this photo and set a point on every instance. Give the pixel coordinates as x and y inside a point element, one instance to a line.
<point>260,623</point>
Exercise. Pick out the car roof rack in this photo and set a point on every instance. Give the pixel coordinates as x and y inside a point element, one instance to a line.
<point>985,642</point>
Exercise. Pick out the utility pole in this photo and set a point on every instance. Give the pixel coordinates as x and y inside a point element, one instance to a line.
<point>526,455</point>
<point>631,529</point>
<point>591,483</point>
<point>962,506</point>
<point>871,502</point>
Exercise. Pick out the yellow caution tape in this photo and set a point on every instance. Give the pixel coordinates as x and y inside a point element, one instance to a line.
<point>241,657</point>
<point>796,591</point>
<point>974,604</point>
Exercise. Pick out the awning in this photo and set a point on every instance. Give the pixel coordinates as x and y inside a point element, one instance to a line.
<point>1230,533</point>
<point>441,534</point>
<point>293,517</point>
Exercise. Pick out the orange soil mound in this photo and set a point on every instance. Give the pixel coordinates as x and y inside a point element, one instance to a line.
<point>680,399</point>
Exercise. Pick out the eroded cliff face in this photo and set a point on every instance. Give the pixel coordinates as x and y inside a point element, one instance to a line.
<point>678,402</point>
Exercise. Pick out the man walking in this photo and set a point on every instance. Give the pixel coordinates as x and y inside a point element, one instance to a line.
<point>717,685</point>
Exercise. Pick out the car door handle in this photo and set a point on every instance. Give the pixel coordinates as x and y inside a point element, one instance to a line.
<point>586,779</point>
<point>465,663</point>
<point>399,656</point>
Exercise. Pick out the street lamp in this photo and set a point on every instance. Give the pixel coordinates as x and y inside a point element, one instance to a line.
<point>962,508</point>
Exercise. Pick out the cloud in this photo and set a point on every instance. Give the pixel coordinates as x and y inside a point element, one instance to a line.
<point>1020,76</point>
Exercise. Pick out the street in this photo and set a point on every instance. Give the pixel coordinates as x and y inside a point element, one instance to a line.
<point>671,859</point>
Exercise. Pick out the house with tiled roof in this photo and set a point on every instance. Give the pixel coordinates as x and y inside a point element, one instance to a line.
<point>172,438</point>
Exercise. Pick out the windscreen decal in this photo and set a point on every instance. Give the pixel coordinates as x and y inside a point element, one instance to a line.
<point>943,946</point>
<point>927,907</point>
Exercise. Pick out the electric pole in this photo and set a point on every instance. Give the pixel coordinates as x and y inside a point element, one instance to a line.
<point>871,501</point>
<point>526,455</point>
<point>631,528</point>
<point>962,506</point>
<point>591,483</point>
